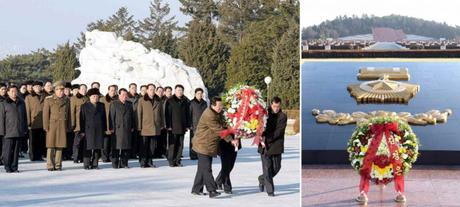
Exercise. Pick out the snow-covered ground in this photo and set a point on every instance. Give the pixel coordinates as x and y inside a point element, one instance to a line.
<point>162,186</point>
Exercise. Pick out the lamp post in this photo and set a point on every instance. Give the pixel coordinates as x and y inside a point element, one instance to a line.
<point>267,81</point>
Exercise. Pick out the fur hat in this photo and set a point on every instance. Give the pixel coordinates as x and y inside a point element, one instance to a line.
<point>35,83</point>
<point>92,91</point>
<point>75,86</point>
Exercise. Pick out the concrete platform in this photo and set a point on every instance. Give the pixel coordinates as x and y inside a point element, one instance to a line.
<point>337,185</point>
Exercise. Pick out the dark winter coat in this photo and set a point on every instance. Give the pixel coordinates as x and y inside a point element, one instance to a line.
<point>122,123</point>
<point>274,133</point>
<point>177,114</point>
<point>135,101</point>
<point>196,110</point>
<point>13,118</point>
<point>93,124</point>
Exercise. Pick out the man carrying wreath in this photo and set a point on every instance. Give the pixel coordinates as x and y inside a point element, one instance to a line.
<point>272,146</point>
<point>206,145</point>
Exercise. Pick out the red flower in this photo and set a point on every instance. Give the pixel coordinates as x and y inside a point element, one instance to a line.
<point>381,160</point>
<point>385,181</point>
<point>363,139</point>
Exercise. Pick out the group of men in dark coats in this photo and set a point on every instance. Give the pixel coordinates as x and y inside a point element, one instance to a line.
<point>84,125</point>
<point>65,121</point>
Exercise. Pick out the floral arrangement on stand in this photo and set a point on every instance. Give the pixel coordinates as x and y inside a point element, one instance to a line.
<point>382,148</point>
<point>245,113</point>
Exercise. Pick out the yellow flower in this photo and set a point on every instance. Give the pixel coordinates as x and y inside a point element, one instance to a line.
<point>382,172</point>
<point>402,150</point>
<point>364,149</point>
<point>253,124</point>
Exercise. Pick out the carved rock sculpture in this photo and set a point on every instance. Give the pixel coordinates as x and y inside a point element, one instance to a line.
<point>334,118</point>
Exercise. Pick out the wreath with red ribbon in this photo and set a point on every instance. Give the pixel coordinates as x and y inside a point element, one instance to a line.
<point>383,148</point>
<point>245,113</point>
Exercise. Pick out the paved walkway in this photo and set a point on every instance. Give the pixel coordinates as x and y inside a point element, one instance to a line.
<point>337,185</point>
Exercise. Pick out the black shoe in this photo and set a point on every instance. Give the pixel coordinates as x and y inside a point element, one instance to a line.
<point>271,194</point>
<point>219,187</point>
<point>51,169</point>
<point>58,169</point>
<point>228,192</point>
<point>179,165</point>
<point>213,194</point>
<point>87,168</point>
<point>261,187</point>
<point>198,193</point>
<point>75,161</point>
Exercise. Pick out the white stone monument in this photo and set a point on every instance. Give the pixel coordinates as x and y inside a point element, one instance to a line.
<point>109,59</point>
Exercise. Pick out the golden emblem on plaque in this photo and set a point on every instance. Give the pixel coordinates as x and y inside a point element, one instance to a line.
<point>383,90</point>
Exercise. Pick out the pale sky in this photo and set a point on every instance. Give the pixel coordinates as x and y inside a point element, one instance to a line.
<point>314,12</point>
<point>26,25</point>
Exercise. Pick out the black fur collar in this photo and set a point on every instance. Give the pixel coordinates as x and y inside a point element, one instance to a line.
<point>79,95</point>
<point>109,99</point>
<point>155,97</point>
<point>9,100</point>
<point>131,96</point>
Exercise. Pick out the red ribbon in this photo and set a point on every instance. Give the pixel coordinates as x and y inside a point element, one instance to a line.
<point>244,112</point>
<point>378,130</point>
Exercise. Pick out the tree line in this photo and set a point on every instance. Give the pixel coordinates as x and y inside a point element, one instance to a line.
<point>343,26</point>
<point>228,41</point>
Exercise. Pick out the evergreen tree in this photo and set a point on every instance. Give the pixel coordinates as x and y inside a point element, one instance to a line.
<point>200,9</point>
<point>64,64</point>
<point>122,23</point>
<point>19,68</point>
<point>202,48</point>
<point>156,31</point>
<point>251,60</point>
<point>235,15</point>
<point>285,69</point>
<point>343,26</point>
